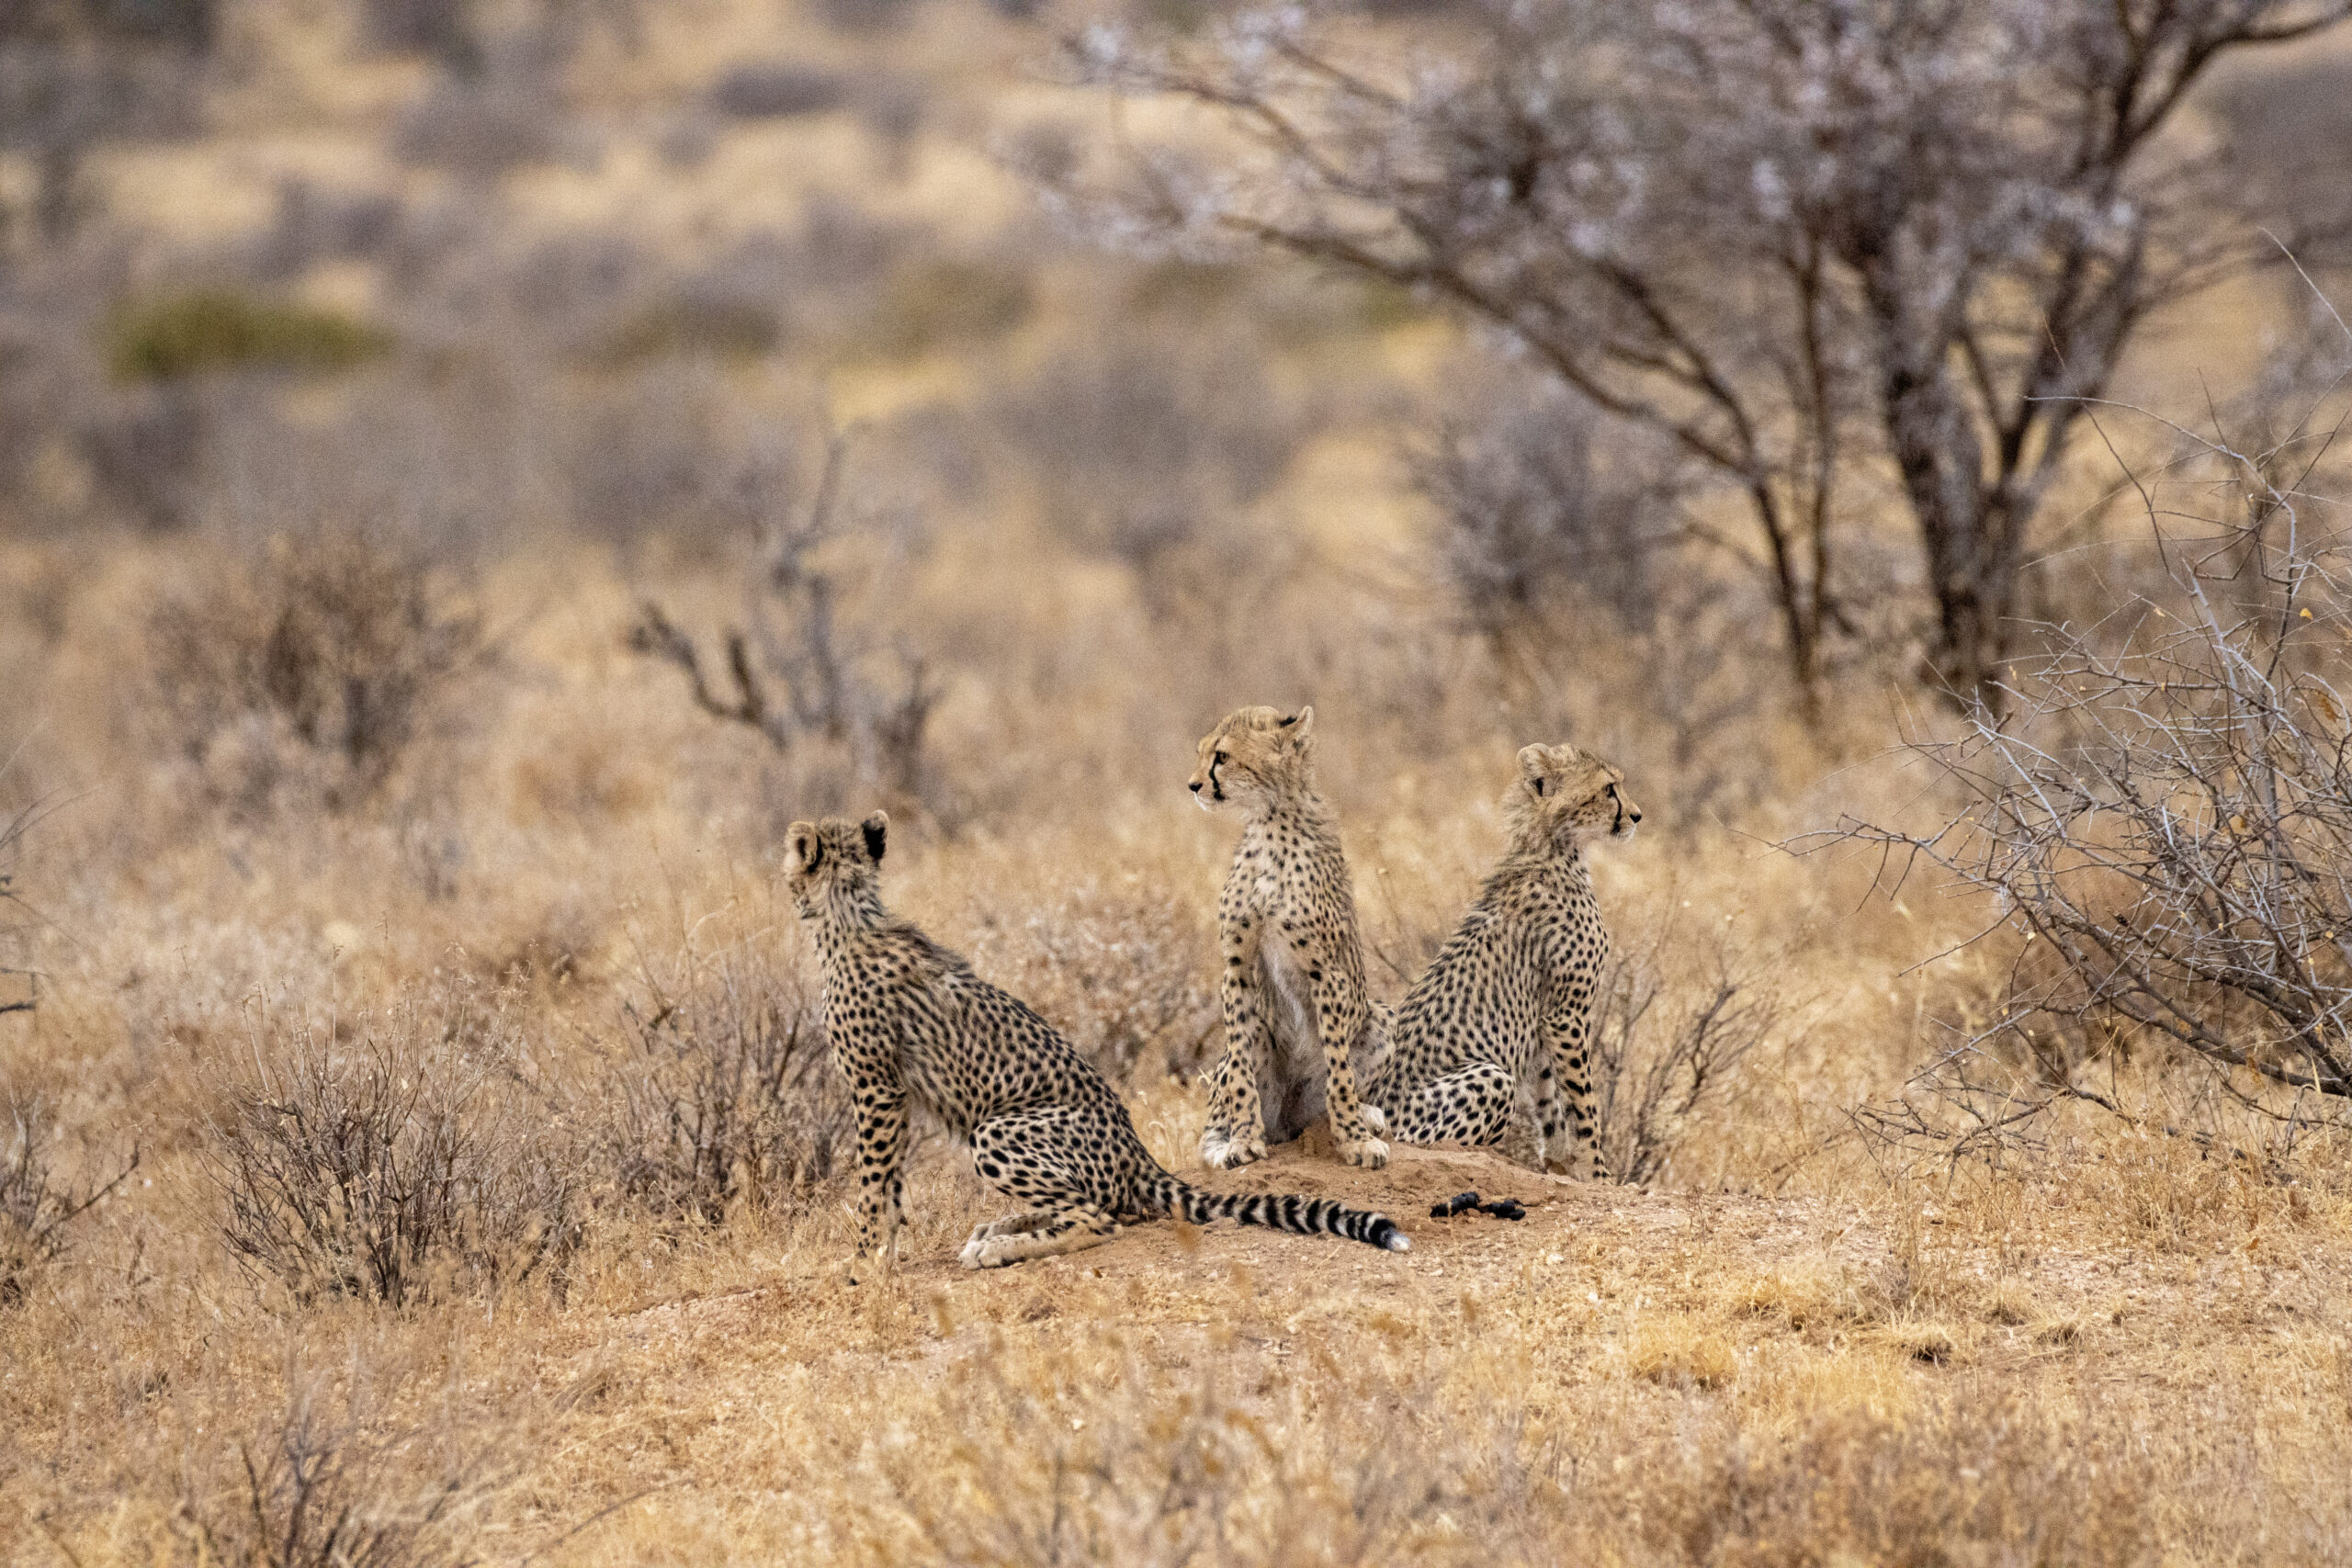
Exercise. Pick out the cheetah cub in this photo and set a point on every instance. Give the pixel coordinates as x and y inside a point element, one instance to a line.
<point>1487,1041</point>
<point>1293,971</point>
<point>911,1022</point>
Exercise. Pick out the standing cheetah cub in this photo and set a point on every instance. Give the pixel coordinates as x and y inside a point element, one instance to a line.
<point>1293,971</point>
<point>1486,1042</point>
<point>910,1021</point>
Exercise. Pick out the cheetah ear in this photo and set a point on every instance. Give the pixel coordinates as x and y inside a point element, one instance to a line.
<point>804,851</point>
<point>877,828</point>
<point>1533,759</point>
<point>1301,725</point>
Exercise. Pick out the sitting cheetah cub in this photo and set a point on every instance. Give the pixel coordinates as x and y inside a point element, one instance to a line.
<point>1293,971</point>
<point>910,1021</point>
<point>1483,1044</point>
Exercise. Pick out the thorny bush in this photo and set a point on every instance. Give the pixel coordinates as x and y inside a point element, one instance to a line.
<point>312,669</point>
<point>724,1093</point>
<point>2164,817</point>
<point>36,1212</point>
<point>393,1169</point>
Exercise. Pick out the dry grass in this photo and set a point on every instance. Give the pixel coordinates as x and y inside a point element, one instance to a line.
<point>488,1205</point>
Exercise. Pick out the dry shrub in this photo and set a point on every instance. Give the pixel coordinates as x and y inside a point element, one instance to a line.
<point>394,1168</point>
<point>1131,1472</point>
<point>1548,513</point>
<point>35,1211</point>
<point>302,678</point>
<point>334,1481</point>
<point>776,90</point>
<point>12,836</point>
<point>1659,1065</point>
<point>1356,1464</point>
<point>1140,444</point>
<point>724,1092</point>
<point>481,127</point>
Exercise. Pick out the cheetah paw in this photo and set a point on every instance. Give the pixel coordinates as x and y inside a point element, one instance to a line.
<point>993,1252</point>
<point>1370,1153</point>
<point>1375,1120</point>
<point>1233,1154</point>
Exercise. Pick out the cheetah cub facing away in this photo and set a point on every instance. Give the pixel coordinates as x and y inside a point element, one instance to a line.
<point>1489,1041</point>
<point>910,1021</point>
<point>1293,970</point>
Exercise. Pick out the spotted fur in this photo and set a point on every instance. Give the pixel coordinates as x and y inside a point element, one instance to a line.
<point>1498,1034</point>
<point>1292,965</point>
<point>911,1024</point>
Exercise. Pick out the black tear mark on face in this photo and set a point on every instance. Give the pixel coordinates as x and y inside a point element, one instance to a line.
<point>875,835</point>
<point>1217,785</point>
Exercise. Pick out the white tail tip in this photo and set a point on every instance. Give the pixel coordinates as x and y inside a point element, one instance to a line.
<point>1399,1242</point>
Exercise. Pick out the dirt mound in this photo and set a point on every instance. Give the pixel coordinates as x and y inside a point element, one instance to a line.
<point>1414,1178</point>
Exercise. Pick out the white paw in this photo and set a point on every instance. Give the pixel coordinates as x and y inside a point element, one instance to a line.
<point>1233,1156</point>
<point>1371,1152</point>
<point>1375,1118</point>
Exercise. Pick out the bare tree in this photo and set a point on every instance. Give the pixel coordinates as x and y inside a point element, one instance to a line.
<point>1823,247</point>
<point>2164,817</point>
<point>797,673</point>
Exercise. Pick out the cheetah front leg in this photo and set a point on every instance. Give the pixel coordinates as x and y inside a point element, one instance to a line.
<point>881,1181</point>
<point>1236,1134</point>
<point>1370,1064</point>
<point>1571,1126</point>
<point>1341,1019</point>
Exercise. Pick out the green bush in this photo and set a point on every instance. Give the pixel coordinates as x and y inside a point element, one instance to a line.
<point>219,329</point>
<point>929,305</point>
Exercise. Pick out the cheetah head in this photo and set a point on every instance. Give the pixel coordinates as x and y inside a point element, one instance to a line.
<point>835,854</point>
<point>1565,798</point>
<point>1255,755</point>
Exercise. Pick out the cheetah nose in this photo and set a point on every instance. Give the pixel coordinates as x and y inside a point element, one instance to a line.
<point>1634,814</point>
<point>1194,786</point>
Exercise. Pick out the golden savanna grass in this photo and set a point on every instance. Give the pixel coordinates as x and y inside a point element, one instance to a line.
<point>547,918</point>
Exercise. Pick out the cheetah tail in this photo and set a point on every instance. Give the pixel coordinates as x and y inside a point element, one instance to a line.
<point>1282,1212</point>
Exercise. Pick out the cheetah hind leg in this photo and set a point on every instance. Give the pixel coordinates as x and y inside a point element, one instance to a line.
<point>1041,1159</point>
<point>1011,1224</point>
<point>1470,1105</point>
<point>1522,1135</point>
<point>1074,1229</point>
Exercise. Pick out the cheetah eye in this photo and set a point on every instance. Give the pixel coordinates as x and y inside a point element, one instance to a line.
<point>1221,757</point>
